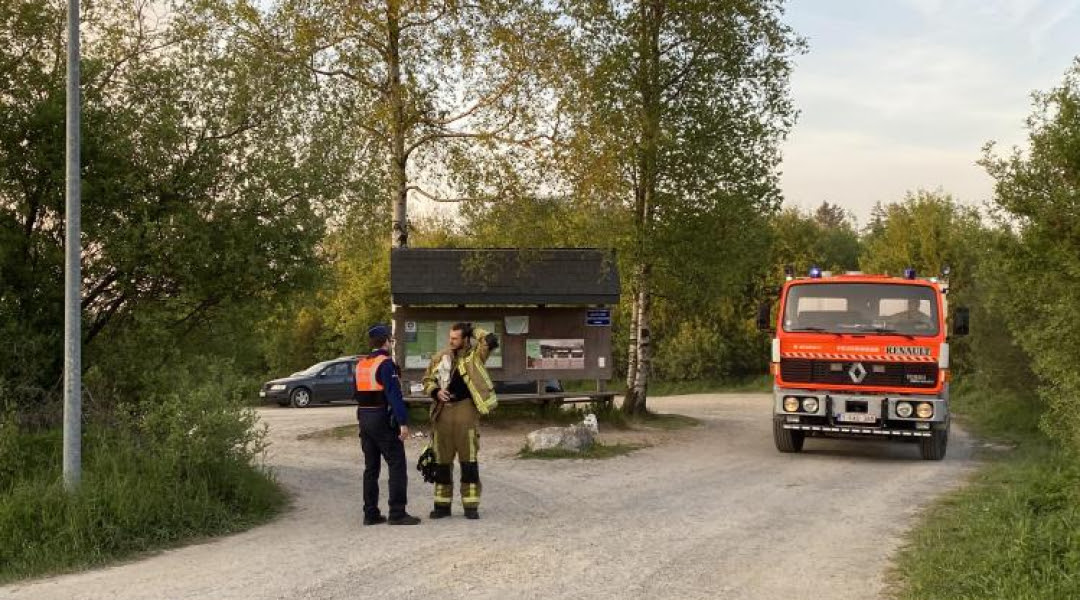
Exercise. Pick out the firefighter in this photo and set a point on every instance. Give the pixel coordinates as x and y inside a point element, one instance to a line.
<point>912,317</point>
<point>461,390</point>
<point>384,425</point>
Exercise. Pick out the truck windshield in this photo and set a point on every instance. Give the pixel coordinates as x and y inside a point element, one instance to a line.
<point>862,308</point>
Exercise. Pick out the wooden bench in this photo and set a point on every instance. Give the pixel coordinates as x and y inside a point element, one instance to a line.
<point>537,398</point>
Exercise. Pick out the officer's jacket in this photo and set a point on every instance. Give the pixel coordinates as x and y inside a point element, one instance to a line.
<point>471,366</point>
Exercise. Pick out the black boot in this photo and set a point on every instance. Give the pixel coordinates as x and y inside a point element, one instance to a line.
<point>440,512</point>
<point>374,520</point>
<point>404,519</point>
<point>472,513</point>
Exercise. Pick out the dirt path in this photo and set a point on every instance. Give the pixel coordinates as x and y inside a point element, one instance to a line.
<point>711,512</point>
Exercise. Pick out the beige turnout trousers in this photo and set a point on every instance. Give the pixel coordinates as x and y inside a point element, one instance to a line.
<point>456,434</point>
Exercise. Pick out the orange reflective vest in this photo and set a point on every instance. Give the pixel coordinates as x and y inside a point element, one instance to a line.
<point>366,368</point>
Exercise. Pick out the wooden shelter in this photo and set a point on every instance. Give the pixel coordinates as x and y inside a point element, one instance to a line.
<point>551,309</point>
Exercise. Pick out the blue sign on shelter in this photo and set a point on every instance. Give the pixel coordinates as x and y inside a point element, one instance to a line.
<point>600,317</point>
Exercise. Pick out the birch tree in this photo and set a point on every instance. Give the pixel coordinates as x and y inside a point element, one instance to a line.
<point>680,109</point>
<point>424,80</point>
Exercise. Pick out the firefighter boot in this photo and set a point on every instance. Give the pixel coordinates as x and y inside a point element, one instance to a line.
<point>444,490</point>
<point>440,511</point>
<point>472,513</point>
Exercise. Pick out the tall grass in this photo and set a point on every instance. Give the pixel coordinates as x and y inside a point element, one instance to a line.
<point>1014,532</point>
<point>180,467</point>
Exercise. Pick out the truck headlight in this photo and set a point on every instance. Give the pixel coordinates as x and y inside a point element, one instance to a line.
<point>791,404</point>
<point>904,409</point>
<point>277,387</point>
<point>925,410</point>
<point>810,405</point>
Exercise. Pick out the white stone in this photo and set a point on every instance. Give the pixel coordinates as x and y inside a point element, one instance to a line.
<point>574,438</point>
<point>591,424</point>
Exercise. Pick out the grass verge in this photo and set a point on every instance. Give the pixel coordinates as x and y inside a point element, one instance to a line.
<point>1014,532</point>
<point>532,414</point>
<point>131,500</point>
<point>596,451</point>
<point>750,384</point>
<point>754,384</point>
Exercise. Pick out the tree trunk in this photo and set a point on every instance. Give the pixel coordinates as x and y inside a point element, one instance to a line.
<point>644,351</point>
<point>396,101</point>
<point>649,88</point>
<point>631,359</point>
<point>399,161</point>
<point>640,359</point>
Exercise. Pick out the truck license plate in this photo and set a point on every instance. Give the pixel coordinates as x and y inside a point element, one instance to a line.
<point>858,418</point>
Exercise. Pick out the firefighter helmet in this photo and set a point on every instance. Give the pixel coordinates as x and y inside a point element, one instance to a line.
<point>426,464</point>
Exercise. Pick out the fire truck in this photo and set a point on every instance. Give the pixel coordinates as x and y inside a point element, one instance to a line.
<point>862,356</point>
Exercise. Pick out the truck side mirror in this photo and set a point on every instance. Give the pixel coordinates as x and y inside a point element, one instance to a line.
<point>764,320</point>
<point>961,321</point>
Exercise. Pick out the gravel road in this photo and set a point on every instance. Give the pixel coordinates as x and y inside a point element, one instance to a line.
<point>708,512</point>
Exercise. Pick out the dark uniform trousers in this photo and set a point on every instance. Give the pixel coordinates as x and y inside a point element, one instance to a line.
<point>379,440</point>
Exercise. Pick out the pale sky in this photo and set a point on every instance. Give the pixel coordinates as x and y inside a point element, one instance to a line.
<point>897,95</point>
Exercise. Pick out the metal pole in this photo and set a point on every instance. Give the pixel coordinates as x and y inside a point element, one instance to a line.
<point>72,270</point>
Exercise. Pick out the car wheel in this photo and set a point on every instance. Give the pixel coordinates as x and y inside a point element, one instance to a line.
<point>787,440</point>
<point>300,398</point>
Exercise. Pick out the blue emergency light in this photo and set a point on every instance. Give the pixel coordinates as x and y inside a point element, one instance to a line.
<point>815,272</point>
<point>909,273</point>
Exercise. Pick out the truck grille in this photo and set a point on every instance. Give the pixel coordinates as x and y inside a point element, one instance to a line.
<point>889,374</point>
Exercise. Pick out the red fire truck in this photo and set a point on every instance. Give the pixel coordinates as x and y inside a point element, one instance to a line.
<point>862,356</point>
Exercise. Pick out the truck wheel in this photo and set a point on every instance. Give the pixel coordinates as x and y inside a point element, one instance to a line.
<point>933,447</point>
<point>787,440</point>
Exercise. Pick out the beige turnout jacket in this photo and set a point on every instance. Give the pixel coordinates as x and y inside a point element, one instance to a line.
<point>470,363</point>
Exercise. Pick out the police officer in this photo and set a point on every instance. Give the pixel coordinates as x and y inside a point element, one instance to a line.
<point>384,425</point>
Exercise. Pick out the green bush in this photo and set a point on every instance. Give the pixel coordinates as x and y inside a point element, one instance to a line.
<point>724,347</point>
<point>1038,272</point>
<point>202,418</point>
<point>179,465</point>
<point>997,413</point>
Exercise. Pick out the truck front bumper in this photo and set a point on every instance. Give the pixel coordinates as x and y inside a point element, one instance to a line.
<point>858,431</point>
<point>859,415</point>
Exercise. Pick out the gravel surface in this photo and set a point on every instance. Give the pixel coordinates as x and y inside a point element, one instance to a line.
<point>709,512</point>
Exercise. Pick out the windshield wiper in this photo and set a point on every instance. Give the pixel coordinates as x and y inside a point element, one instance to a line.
<point>810,330</point>
<point>885,331</point>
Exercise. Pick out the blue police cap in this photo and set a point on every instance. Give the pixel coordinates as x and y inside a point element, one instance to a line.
<point>378,331</point>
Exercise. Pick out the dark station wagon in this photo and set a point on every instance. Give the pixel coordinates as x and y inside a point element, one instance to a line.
<point>335,380</point>
<point>324,382</point>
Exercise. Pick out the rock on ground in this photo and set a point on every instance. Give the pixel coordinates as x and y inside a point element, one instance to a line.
<point>575,438</point>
